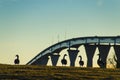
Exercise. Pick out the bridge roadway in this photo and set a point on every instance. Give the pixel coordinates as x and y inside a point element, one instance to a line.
<point>76,43</point>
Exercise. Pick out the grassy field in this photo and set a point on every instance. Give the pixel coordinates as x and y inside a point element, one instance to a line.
<point>27,72</point>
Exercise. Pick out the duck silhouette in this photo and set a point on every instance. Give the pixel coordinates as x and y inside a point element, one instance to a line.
<point>99,61</point>
<point>81,62</point>
<point>64,61</point>
<point>17,61</point>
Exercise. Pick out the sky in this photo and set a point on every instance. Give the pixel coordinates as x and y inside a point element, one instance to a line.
<point>29,26</point>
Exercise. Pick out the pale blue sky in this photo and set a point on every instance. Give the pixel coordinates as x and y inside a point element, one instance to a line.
<point>29,26</point>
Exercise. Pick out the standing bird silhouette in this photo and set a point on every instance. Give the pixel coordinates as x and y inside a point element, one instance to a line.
<point>17,61</point>
<point>99,61</point>
<point>64,61</point>
<point>81,62</point>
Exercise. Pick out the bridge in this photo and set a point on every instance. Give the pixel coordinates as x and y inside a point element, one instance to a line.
<point>103,43</point>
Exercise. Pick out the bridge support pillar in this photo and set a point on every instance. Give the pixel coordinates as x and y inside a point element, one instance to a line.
<point>104,50</point>
<point>54,59</point>
<point>41,61</point>
<point>117,52</point>
<point>72,55</point>
<point>90,50</point>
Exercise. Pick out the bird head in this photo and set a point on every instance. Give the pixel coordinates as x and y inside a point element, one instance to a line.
<point>80,56</point>
<point>98,54</point>
<point>17,55</point>
<point>65,54</point>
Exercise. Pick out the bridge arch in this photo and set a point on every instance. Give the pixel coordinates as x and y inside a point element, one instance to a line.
<point>90,43</point>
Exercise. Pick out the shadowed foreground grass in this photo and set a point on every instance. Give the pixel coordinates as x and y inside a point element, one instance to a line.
<point>27,72</point>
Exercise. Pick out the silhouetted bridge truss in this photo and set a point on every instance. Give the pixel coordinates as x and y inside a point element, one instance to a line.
<point>103,43</point>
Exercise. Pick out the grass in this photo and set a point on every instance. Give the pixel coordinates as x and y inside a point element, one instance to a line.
<point>29,72</point>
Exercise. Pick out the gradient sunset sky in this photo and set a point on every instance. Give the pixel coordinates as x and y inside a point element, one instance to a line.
<point>29,26</point>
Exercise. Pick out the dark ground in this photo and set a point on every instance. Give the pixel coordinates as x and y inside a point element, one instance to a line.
<point>27,72</point>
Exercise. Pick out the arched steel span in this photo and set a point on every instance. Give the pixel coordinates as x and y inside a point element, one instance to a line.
<point>75,43</point>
